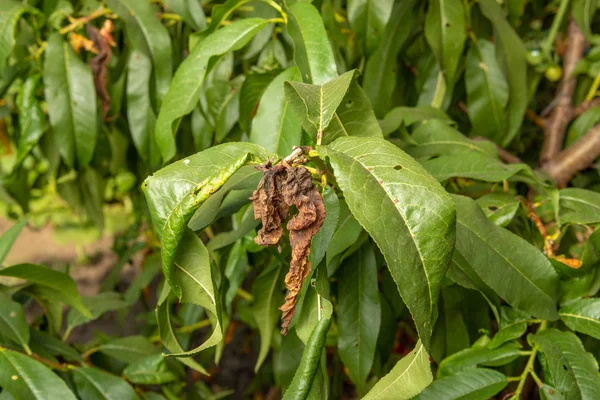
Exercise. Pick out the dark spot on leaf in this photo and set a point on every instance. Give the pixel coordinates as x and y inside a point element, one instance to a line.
<point>349,103</point>
<point>398,167</point>
<point>447,24</point>
<point>492,208</point>
<point>565,368</point>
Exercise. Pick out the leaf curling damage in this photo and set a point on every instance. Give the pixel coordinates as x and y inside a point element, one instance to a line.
<point>282,187</point>
<point>102,39</point>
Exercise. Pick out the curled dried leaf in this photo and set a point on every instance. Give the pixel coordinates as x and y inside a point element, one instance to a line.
<point>281,187</point>
<point>102,40</point>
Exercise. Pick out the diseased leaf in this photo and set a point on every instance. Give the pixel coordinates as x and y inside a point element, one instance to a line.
<point>55,285</point>
<point>312,51</point>
<point>513,268</point>
<point>472,384</point>
<point>184,91</point>
<point>275,126</point>
<point>156,37</point>
<point>25,378</point>
<point>95,384</point>
<point>570,369</point>
<point>71,100</point>
<point>445,31</point>
<point>583,316</point>
<point>408,378</point>
<point>175,192</point>
<point>359,313</point>
<point>408,214</point>
<point>487,92</point>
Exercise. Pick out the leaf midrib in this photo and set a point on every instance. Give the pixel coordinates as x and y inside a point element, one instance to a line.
<point>403,372</point>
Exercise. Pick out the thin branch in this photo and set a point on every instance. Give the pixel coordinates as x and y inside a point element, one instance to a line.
<point>563,111</point>
<point>586,105</point>
<point>579,156</point>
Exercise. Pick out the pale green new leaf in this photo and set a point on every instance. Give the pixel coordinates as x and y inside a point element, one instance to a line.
<point>185,89</point>
<point>408,378</point>
<point>570,368</point>
<point>408,214</point>
<point>512,267</point>
<point>583,316</point>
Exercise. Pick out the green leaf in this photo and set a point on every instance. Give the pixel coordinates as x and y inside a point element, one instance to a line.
<point>379,80</point>
<point>252,90</point>
<point>487,92</point>
<point>354,117</point>
<point>570,369</point>
<point>312,51</point>
<point>43,342</point>
<point>408,116</point>
<point>168,337</point>
<point>513,324</point>
<point>191,12</point>
<point>320,242</point>
<point>368,19</point>
<point>472,384</point>
<point>473,166</point>
<point>445,31</point>
<point>193,274</point>
<point>10,13</point>
<point>547,392</point>
<point>236,270</point>
<point>275,126</point>
<point>157,38</point>
<point>150,268</point>
<point>25,378</point>
<point>31,118</point>
<point>150,370</point>
<point>392,196</point>
<point>583,316</point>
<point>583,12</point>
<point>437,138</point>
<point>581,125</point>
<point>219,13</point>
<point>71,100</point>
<point>408,378</point>
<point>500,208</point>
<point>345,235</point>
<point>305,374</point>
<point>13,325</point>
<point>359,313</point>
<point>129,348</point>
<point>54,284</point>
<point>97,305</point>
<point>140,115</point>
<point>184,92</point>
<point>9,237</point>
<point>315,304</point>
<point>477,356</point>
<point>579,206</point>
<point>174,193</point>
<point>95,384</point>
<point>315,105</point>
<point>513,268</point>
<point>268,297</point>
<point>514,60</point>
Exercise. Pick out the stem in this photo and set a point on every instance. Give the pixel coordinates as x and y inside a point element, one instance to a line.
<point>278,8</point>
<point>244,295</point>
<point>592,92</point>
<point>80,22</point>
<point>547,45</point>
<point>529,368</point>
<point>193,327</point>
<point>88,353</point>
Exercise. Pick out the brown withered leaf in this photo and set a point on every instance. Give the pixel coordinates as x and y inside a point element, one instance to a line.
<point>99,64</point>
<point>281,187</point>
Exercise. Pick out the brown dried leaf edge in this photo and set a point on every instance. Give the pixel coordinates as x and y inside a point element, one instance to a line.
<point>281,187</point>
